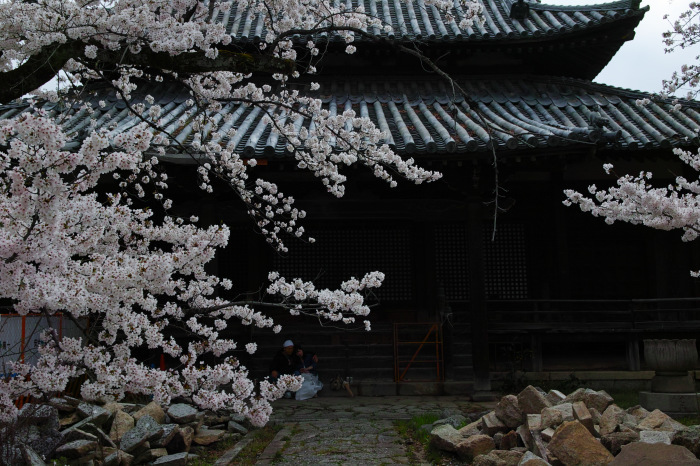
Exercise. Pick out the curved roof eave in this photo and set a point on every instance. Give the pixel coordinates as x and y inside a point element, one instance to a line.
<point>414,20</point>
<point>423,118</point>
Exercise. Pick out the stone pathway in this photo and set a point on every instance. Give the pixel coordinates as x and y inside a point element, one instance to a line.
<point>352,431</point>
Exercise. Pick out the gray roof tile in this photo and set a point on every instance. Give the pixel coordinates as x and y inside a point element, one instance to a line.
<point>415,20</point>
<point>422,117</point>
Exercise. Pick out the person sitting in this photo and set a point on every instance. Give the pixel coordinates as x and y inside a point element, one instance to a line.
<point>285,362</point>
<point>306,363</point>
<point>306,367</point>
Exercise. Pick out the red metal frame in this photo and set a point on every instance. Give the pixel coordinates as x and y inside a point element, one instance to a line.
<point>73,387</point>
<point>433,329</point>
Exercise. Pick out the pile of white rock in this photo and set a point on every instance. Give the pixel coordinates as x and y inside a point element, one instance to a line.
<point>535,428</point>
<point>112,434</point>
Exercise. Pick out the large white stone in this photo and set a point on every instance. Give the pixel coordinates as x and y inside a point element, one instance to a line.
<point>655,436</point>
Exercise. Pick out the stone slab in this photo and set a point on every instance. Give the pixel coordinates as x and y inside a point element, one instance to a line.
<point>671,403</point>
<point>673,383</point>
<point>419,388</point>
<point>231,454</point>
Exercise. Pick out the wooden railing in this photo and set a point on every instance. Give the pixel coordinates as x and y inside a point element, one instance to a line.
<point>675,314</point>
<point>672,314</point>
<point>631,319</point>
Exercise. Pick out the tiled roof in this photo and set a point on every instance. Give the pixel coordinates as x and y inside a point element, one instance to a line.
<point>413,20</point>
<point>423,117</point>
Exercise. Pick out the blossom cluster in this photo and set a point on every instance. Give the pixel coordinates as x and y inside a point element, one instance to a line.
<point>63,249</point>
<point>635,200</point>
<point>68,247</point>
<point>684,33</point>
<point>322,140</point>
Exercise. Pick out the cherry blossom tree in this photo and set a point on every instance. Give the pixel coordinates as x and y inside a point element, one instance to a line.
<point>138,273</point>
<point>684,34</point>
<point>635,199</point>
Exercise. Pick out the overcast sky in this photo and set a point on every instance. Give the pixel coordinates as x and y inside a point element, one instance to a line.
<point>641,63</point>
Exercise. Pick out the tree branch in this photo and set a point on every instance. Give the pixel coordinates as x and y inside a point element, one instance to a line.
<point>43,66</point>
<point>194,62</point>
<point>35,72</point>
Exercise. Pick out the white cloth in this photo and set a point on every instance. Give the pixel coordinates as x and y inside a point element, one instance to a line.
<point>309,387</point>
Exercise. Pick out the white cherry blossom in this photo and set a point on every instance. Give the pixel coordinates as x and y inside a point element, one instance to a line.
<point>137,274</point>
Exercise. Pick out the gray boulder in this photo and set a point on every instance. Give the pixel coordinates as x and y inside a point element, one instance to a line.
<point>658,453</point>
<point>182,413</point>
<point>72,435</point>
<point>169,432</point>
<point>237,428</point>
<point>555,397</point>
<point>638,412</point>
<point>572,444</point>
<point>445,437</point>
<point>690,439</point>
<point>208,436</point>
<point>471,429</point>
<point>76,449</point>
<point>583,415</point>
<point>145,430</point>
<point>97,415</point>
<point>599,400</point>
<point>181,441</point>
<point>152,409</point>
<point>491,424</point>
<point>45,416</point>
<point>509,412</point>
<point>178,459</point>
<point>101,436</point>
<point>37,428</point>
<point>614,441</point>
<point>658,420</point>
<point>31,457</point>
<point>531,459</point>
<point>117,458</point>
<point>474,446</point>
<point>498,458</point>
<point>532,401</point>
<point>554,416</point>
<point>455,421</point>
<point>122,423</point>
<point>508,441</point>
<point>62,405</point>
<point>613,417</point>
<point>655,436</point>
<point>150,455</point>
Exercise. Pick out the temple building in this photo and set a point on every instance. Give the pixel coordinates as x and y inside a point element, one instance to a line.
<point>487,271</point>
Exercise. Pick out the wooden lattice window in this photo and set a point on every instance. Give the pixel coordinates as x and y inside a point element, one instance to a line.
<point>234,261</point>
<point>341,253</point>
<point>505,262</point>
<point>451,261</point>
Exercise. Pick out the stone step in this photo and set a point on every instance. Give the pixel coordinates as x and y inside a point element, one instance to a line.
<point>374,387</point>
<point>362,354</point>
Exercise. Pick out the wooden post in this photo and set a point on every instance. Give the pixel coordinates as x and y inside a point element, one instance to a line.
<point>536,345</point>
<point>633,363</point>
<point>23,344</point>
<point>477,296</point>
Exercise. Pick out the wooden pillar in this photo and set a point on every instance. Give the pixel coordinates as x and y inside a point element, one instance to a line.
<point>661,250</point>
<point>477,295</point>
<point>560,275</point>
<point>633,362</point>
<point>536,347</point>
